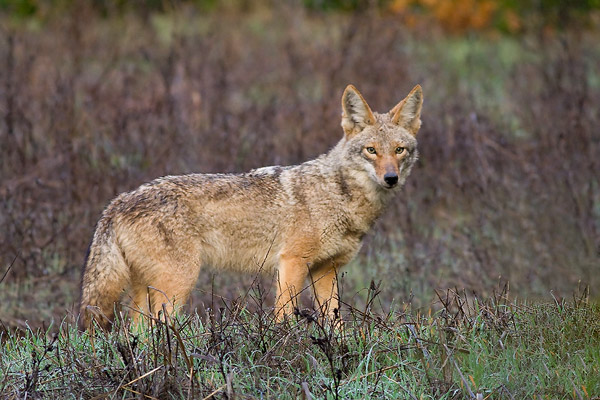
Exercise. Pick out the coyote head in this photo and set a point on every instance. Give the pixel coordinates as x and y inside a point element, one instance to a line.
<point>383,145</point>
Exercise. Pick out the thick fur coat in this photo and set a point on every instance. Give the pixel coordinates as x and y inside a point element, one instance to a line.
<point>304,220</point>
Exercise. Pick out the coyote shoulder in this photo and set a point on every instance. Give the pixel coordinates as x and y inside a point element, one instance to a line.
<point>302,221</point>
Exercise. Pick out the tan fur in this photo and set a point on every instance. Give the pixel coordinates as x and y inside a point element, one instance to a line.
<point>302,221</point>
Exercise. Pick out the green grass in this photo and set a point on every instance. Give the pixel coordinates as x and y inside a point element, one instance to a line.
<point>493,348</point>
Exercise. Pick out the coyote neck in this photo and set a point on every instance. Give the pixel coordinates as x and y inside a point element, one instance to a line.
<point>354,193</point>
<point>366,202</point>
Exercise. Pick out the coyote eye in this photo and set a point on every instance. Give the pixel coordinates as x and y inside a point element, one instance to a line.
<point>400,150</point>
<point>371,150</point>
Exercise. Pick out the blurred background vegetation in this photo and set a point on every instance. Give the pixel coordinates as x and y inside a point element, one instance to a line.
<point>454,15</point>
<point>98,97</point>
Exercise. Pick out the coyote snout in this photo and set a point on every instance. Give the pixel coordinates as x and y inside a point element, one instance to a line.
<point>391,178</point>
<point>386,169</point>
<point>305,222</point>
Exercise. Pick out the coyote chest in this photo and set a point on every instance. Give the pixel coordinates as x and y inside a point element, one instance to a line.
<point>304,221</point>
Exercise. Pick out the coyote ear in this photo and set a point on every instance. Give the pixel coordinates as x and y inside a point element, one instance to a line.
<point>407,113</point>
<point>356,113</point>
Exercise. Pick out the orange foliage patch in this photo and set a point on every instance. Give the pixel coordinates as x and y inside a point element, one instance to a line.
<point>457,15</point>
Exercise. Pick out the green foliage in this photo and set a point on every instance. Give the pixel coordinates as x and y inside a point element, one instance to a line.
<point>345,5</point>
<point>19,8</point>
<point>146,6</point>
<point>30,8</point>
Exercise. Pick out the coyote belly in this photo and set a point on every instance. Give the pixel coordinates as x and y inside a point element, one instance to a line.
<point>301,221</point>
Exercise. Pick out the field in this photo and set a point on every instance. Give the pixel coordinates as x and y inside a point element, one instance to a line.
<point>506,194</point>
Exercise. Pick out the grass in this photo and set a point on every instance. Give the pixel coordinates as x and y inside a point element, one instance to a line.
<point>470,348</point>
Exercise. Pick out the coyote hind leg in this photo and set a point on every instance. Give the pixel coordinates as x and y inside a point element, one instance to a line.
<point>106,274</point>
<point>165,291</point>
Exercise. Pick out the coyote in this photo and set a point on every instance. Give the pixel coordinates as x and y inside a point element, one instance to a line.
<point>304,221</point>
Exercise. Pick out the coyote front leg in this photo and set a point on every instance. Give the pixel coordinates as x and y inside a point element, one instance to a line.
<point>292,276</point>
<point>324,281</point>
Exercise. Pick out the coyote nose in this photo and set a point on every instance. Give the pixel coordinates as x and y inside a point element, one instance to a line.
<point>390,178</point>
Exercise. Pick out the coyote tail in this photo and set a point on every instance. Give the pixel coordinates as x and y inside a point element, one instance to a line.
<point>105,276</point>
